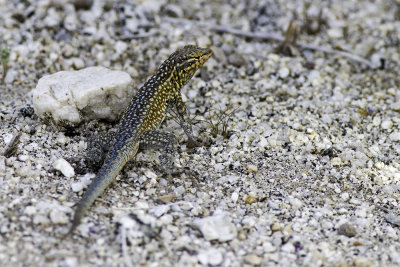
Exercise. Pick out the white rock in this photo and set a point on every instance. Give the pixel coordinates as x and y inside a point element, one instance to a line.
<point>159,210</point>
<point>395,136</point>
<point>204,41</point>
<point>335,33</point>
<point>64,167</point>
<point>263,142</point>
<point>217,227</point>
<point>77,187</point>
<point>376,60</point>
<point>179,191</point>
<point>2,166</point>
<point>78,63</point>
<point>30,210</point>
<point>315,77</point>
<point>284,72</point>
<point>70,22</point>
<point>41,219</point>
<point>345,196</point>
<point>295,203</point>
<point>361,261</point>
<point>268,247</point>
<point>386,125</point>
<point>361,212</point>
<point>11,76</point>
<point>393,219</point>
<point>120,47</point>
<point>219,167</point>
<point>91,93</point>
<point>58,217</point>
<point>253,259</point>
<point>86,179</point>
<point>395,106</point>
<point>288,248</point>
<point>336,161</point>
<point>249,221</point>
<point>151,175</point>
<point>234,196</point>
<point>212,257</point>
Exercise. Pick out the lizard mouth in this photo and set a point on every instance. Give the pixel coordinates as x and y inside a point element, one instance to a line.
<point>207,54</point>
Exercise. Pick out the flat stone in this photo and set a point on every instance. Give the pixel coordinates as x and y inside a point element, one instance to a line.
<point>212,257</point>
<point>253,259</point>
<point>217,227</point>
<point>71,97</point>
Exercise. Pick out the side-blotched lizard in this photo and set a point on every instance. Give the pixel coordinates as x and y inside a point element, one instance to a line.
<point>138,126</point>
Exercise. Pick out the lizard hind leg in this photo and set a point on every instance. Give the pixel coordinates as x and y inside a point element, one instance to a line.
<point>97,149</point>
<point>166,142</point>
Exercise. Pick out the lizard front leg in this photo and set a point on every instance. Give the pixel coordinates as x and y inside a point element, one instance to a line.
<point>182,115</point>
<point>166,142</point>
<point>100,144</point>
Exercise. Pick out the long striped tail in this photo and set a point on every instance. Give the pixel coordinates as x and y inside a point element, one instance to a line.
<point>106,175</point>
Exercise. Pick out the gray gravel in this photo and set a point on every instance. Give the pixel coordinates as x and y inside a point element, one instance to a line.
<point>307,172</point>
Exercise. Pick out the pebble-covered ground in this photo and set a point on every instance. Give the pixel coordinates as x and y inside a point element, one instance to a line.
<point>301,169</point>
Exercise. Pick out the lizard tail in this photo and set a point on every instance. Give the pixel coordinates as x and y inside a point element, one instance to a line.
<point>106,175</point>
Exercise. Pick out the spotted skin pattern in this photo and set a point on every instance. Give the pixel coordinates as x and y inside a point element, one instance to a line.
<point>146,111</point>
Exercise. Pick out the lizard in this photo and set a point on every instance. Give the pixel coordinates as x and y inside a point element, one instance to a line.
<point>160,94</point>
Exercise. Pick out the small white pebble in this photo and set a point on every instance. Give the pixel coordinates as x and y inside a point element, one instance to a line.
<point>284,72</point>
<point>64,167</point>
<point>360,261</point>
<point>288,248</point>
<point>219,167</point>
<point>30,210</point>
<point>252,168</point>
<point>361,212</point>
<point>395,106</point>
<point>263,142</point>
<point>395,136</point>
<point>58,217</point>
<point>150,174</point>
<point>253,259</point>
<point>77,187</point>
<point>216,227</point>
<point>295,203</point>
<point>345,196</point>
<point>78,63</point>
<point>210,257</point>
<point>41,219</point>
<point>335,33</point>
<point>159,210</point>
<point>336,161</point>
<point>234,196</point>
<point>179,191</point>
<point>387,125</point>
<point>23,157</point>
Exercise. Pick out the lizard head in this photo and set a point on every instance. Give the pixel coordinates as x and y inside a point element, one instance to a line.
<point>187,60</point>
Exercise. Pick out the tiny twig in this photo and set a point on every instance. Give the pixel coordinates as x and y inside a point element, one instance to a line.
<point>138,36</point>
<point>11,148</point>
<point>287,46</point>
<point>124,246</point>
<point>273,37</point>
<point>3,77</point>
<point>218,28</point>
<point>149,208</point>
<point>4,58</point>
